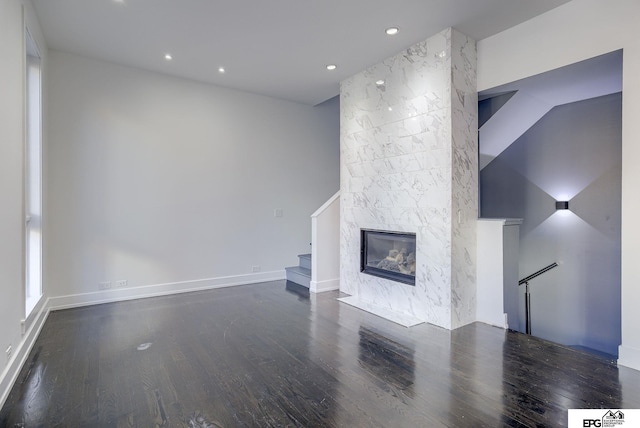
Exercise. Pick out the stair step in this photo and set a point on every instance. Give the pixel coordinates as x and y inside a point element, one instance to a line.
<point>305,260</point>
<point>299,275</point>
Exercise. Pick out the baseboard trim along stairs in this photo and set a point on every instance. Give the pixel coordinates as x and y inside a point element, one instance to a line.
<point>300,274</point>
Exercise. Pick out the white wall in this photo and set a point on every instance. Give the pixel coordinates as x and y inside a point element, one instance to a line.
<point>12,105</point>
<point>325,249</point>
<point>159,180</point>
<point>11,160</point>
<point>497,276</point>
<point>573,32</point>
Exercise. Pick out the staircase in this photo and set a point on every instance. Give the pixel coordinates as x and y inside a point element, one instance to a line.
<point>300,274</point>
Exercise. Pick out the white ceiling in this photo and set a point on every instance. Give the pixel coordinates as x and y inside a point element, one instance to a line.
<point>277,48</point>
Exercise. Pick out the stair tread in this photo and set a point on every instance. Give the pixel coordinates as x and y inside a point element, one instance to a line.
<point>304,256</point>
<point>300,270</point>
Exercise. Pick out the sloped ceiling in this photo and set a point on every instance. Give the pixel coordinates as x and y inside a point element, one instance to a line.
<point>534,96</point>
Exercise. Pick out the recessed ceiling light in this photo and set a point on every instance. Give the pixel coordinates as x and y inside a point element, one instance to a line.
<point>392,30</point>
<point>168,57</point>
<point>380,82</point>
<point>331,67</point>
<point>220,69</point>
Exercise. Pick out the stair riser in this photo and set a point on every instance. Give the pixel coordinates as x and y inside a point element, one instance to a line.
<point>305,261</point>
<point>303,280</point>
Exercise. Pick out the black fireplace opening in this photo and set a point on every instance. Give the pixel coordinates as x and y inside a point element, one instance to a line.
<point>390,255</point>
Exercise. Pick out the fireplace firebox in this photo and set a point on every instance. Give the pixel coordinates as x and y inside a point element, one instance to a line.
<point>390,255</point>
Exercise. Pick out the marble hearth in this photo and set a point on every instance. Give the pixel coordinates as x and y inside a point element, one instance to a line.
<point>409,163</point>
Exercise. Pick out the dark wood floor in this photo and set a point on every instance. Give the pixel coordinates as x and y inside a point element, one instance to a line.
<point>269,355</point>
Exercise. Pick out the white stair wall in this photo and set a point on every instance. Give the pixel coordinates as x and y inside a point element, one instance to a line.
<point>325,246</point>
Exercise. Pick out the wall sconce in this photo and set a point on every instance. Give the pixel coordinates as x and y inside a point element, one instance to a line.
<point>562,205</point>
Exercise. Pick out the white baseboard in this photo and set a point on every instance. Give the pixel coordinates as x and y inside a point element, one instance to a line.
<point>496,320</point>
<point>326,285</point>
<point>629,357</point>
<point>21,352</point>
<point>118,295</point>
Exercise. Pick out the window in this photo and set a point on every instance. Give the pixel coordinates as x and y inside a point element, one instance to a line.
<point>33,176</point>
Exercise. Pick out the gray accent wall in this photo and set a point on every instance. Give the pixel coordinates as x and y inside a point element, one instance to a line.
<point>573,153</point>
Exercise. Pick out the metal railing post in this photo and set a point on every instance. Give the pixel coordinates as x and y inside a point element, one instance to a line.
<point>527,294</point>
<point>527,307</point>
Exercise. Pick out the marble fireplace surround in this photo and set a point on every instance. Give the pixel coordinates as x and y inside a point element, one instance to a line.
<point>409,163</point>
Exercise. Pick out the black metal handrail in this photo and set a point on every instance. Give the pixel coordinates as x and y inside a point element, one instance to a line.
<point>540,272</point>
<point>527,295</point>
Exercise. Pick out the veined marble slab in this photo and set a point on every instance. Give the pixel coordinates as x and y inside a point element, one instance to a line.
<point>397,317</point>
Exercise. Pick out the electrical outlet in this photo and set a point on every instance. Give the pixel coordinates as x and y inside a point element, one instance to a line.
<point>121,283</point>
<point>8,352</point>
<point>278,212</point>
<point>255,268</point>
<point>104,285</point>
